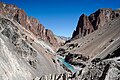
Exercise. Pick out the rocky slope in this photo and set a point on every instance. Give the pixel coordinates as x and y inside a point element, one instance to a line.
<point>23,56</point>
<point>88,24</point>
<point>96,55</point>
<point>29,23</point>
<point>102,40</point>
<point>27,49</point>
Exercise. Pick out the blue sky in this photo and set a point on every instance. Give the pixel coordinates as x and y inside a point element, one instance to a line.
<point>61,16</point>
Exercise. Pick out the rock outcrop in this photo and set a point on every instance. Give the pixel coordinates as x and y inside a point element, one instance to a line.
<point>102,70</point>
<point>30,23</point>
<point>84,27</point>
<point>93,22</point>
<point>101,17</point>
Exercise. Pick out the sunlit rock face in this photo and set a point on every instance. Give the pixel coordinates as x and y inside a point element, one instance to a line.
<point>12,67</point>
<point>93,22</point>
<point>100,17</point>
<point>20,53</point>
<point>83,28</point>
<point>30,23</point>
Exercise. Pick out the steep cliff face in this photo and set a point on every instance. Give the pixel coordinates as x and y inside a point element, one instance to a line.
<point>30,23</point>
<point>93,22</point>
<point>84,27</point>
<point>100,17</point>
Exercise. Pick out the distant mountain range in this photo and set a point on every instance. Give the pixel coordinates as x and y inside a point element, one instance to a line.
<point>64,38</point>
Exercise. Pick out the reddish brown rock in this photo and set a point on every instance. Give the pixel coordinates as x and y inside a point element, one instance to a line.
<point>50,37</point>
<point>100,17</point>
<point>96,20</point>
<point>34,25</point>
<point>84,27</point>
<point>30,23</point>
<point>42,33</point>
<point>21,17</point>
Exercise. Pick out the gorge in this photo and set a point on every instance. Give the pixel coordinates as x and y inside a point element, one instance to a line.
<point>28,51</point>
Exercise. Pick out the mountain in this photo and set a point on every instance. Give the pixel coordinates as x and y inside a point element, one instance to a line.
<point>64,38</point>
<point>26,47</point>
<point>88,24</point>
<point>94,50</point>
<point>29,23</point>
<point>28,51</point>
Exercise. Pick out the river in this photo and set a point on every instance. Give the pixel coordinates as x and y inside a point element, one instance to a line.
<point>69,66</point>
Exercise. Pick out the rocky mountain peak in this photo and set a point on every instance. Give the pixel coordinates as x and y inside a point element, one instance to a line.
<point>83,27</point>
<point>30,23</point>
<point>88,24</point>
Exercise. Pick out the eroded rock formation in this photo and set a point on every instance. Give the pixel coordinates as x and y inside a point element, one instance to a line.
<point>93,22</point>
<point>84,27</point>
<point>30,23</point>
